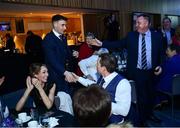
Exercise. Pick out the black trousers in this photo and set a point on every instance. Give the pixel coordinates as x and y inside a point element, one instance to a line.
<point>145,93</point>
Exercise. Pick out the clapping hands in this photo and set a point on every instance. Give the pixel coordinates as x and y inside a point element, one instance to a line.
<point>36,83</point>
<point>29,83</point>
<point>33,82</point>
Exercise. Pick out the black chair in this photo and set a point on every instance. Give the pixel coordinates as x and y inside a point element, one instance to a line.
<point>175,90</point>
<point>133,91</point>
<point>12,98</point>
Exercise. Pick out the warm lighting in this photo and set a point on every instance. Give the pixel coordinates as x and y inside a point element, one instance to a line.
<point>1,45</point>
<point>43,35</point>
<point>70,42</point>
<point>15,38</point>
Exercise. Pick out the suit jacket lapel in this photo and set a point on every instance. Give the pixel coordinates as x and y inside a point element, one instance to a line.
<point>58,41</point>
<point>136,42</point>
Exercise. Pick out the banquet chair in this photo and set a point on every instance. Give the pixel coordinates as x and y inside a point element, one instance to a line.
<point>12,98</point>
<point>133,91</point>
<point>175,90</point>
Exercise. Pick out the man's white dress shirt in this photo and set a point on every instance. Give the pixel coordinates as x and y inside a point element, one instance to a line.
<point>122,94</point>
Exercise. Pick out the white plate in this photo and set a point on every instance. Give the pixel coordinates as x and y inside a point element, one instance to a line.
<point>27,119</point>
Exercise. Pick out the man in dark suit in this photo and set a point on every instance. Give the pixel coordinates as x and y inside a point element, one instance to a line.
<point>167,32</point>
<point>57,54</point>
<point>144,55</point>
<point>33,47</point>
<point>10,42</point>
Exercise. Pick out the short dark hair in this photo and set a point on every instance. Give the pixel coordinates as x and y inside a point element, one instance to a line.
<point>29,32</point>
<point>58,17</point>
<point>174,47</point>
<point>146,16</point>
<point>35,68</point>
<point>108,61</point>
<point>166,18</point>
<point>92,106</point>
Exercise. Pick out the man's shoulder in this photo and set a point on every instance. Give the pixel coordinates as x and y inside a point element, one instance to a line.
<point>132,34</point>
<point>49,36</point>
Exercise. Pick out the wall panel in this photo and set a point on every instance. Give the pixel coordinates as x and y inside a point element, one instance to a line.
<point>153,6</point>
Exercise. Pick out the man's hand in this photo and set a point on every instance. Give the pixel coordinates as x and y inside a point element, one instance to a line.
<point>69,77</point>
<point>90,77</point>
<point>96,42</point>
<point>76,77</point>
<point>75,54</point>
<point>158,70</point>
<point>2,80</point>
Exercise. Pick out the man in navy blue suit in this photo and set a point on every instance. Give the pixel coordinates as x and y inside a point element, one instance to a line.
<point>57,54</point>
<point>142,75</point>
<point>167,32</point>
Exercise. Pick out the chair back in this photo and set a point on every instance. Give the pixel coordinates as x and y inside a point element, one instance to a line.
<point>176,84</point>
<point>133,91</point>
<point>12,98</point>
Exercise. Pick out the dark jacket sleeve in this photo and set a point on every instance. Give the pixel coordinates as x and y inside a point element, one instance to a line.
<point>53,56</point>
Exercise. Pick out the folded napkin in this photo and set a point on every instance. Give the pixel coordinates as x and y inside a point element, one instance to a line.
<point>6,112</point>
<point>53,122</point>
<point>65,102</point>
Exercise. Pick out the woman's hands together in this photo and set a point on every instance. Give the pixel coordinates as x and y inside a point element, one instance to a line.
<point>29,85</point>
<point>36,83</point>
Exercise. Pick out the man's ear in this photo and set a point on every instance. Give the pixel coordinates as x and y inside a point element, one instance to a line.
<point>55,24</point>
<point>104,68</point>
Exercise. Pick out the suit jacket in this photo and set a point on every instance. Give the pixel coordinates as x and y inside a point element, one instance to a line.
<point>164,38</point>
<point>57,54</point>
<point>130,42</point>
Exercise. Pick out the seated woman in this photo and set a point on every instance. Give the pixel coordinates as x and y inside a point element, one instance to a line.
<point>3,106</point>
<point>167,70</point>
<point>37,87</point>
<point>85,50</point>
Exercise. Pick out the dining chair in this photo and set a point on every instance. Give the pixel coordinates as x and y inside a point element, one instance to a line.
<point>12,98</point>
<point>175,90</point>
<point>133,91</point>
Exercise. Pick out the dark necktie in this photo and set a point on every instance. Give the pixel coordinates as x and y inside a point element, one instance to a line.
<point>143,53</point>
<point>61,37</point>
<point>101,82</point>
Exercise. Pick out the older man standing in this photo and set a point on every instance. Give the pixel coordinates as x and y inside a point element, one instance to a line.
<point>145,53</point>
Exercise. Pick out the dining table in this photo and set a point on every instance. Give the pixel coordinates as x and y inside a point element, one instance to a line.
<point>64,119</point>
